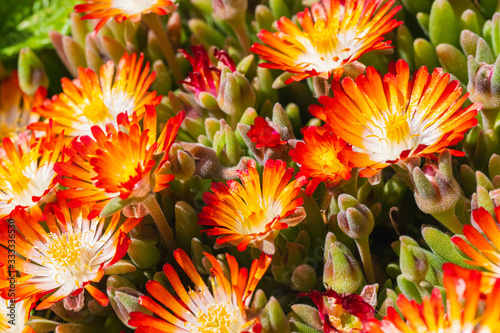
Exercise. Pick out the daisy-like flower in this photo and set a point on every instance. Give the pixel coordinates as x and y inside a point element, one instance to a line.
<point>121,9</point>
<point>467,309</point>
<point>320,157</point>
<point>66,258</point>
<point>27,174</point>
<point>251,213</point>
<point>482,246</point>
<point>96,100</point>
<point>14,315</point>
<point>123,163</point>
<point>223,308</point>
<point>264,135</point>
<point>205,77</point>
<point>341,313</point>
<point>16,107</point>
<point>387,120</point>
<point>334,33</point>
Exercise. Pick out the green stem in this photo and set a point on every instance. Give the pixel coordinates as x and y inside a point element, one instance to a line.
<point>166,232</point>
<point>154,23</point>
<point>240,29</point>
<point>366,259</point>
<point>489,118</point>
<point>450,221</point>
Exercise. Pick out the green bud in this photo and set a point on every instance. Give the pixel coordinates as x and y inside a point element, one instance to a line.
<point>182,164</point>
<point>235,95</point>
<point>413,263</point>
<point>244,65</point>
<point>443,25</point>
<point>124,301</point>
<point>425,54</point>
<point>273,319</point>
<point>232,149</point>
<point>303,278</point>
<point>470,21</point>
<point>423,21</point>
<point>280,117</point>
<point>484,200</point>
<point>74,55</point>
<point>308,315</point>
<point>468,41</point>
<point>259,301</point>
<point>186,225</point>
<point>31,72</point>
<point>453,61</point>
<point>280,81</point>
<point>355,219</point>
<point>143,254</point>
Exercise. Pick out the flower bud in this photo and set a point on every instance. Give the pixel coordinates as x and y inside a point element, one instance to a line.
<point>273,319</point>
<point>125,300</point>
<point>468,41</point>
<point>355,219</point>
<point>229,10</point>
<point>182,165</point>
<point>303,278</point>
<point>443,24</point>
<point>484,82</point>
<point>413,263</point>
<point>31,72</point>
<point>235,95</point>
<point>186,225</point>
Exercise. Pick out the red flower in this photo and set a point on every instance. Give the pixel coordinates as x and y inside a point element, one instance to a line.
<point>264,135</point>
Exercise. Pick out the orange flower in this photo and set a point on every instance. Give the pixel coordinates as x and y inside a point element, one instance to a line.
<point>334,33</point>
<point>251,213</point>
<point>224,308</point>
<point>66,258</point>
<point>16,107</point>
<point>123,163</point>
<point>483,246</point>
<point>21,312</point>
<point>320,158</point>
<point>27,174</point>
<point>467,310</point>
<point>96,100</point>
<point>121,10</point>
<point>391,119</point>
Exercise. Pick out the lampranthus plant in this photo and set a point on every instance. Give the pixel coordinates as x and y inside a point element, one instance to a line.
<point>388,120</point>
<point>104,10</point>
<point>252,213</point>
<point>222,308</point>
<point>321,158</point>
<point>334,33</point>
<point>96,100</point>
<point>63,261</point>
<point>467,309</point>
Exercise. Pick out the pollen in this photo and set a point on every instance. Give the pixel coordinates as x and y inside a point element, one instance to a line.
<point>218,318</point>
<point>65,250</point>
<point>397,128</point>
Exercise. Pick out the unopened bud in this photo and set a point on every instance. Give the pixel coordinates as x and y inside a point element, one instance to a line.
<point>413,263</point>
<point>125,300</point>
<point>355,220</point>
<point>31,72</point>
<point>182,165</point>
<point>229,10</point>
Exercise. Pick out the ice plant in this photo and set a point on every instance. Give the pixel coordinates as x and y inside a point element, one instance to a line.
<point>16,107</point>
<point>96,100</point>
<point>321,159</point>
<point>66,258</point>
<point>252,213</point>
<point>334,33</point>
<point>120,167</point>
<point>342,313</point>
<point>27,174</point>
<point>121,10</point>
<point>14,315</point>
<point>387,120</point>
<point>221,308</point>
<point>467,309</point>
<point>264,135</point>
<point>205,77</point>
<point>482,246</point>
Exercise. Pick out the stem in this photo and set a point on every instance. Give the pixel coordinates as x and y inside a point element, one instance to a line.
<point>450,221</point>
<point>154,23</point>
<point>166,232</point>
<point>366,259</point>
<point>489,118</point>
<point>240,29</point>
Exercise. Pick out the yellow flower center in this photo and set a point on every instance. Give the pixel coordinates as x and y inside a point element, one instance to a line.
<point>64,250</point>
<point>329,162</point>
<point>344,321</point>
<point>95,111</point>
<point>397,128</point>
<point>217,319</point>
<point>322,37</point>
<point>6,131</point>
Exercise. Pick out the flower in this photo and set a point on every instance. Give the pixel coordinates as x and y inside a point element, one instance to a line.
<point>73,252</point>
<point>334,33</point>
<point>221,309</point>
<point>96,100</point>
<point>123,163</point>
<point>16,107</point>
<point>21,311</point>
<point>483,245</point>
<point>251,213</point>
<point>343,313</point>
<point>205,77</point>
<point>320,157</point>
<point>27,174</point>
<point>391,119</point>
<point>264,135</point>
<point>121,10</point>
<point>467,310</point>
